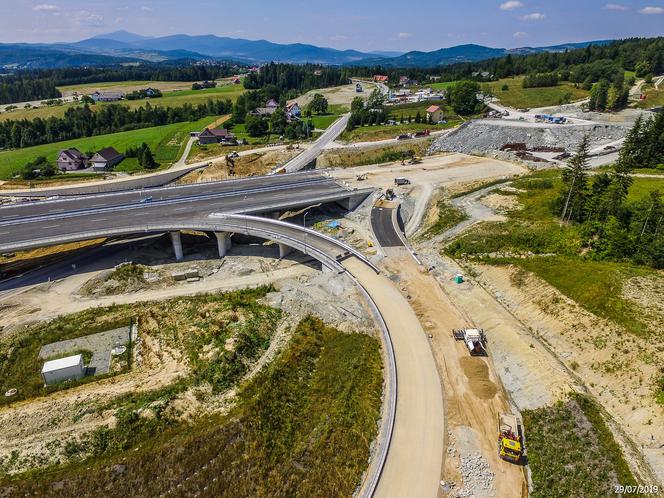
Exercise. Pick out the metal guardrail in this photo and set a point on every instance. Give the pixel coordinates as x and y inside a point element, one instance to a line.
<point>273,230</point>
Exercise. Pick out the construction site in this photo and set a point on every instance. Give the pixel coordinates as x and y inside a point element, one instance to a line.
<point>491,357</point>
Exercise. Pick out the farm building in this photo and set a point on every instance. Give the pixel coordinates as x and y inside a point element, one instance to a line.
<point>107,96</point>
<point>63,369</point>
<point>381,78</point>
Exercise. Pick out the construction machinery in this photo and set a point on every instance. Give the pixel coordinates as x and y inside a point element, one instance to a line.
<point>510,438</point>
<point>362,177</point>
<point>474,339</point>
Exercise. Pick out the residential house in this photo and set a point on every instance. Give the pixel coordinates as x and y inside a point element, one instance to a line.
<point>293,111</point>
<point>271,103</point>
<point>236,80</point>
<point>151,92</point>
<point>71,160</point>
<point>263,112</point>
<point>435,114</point>
<point>381,78</point>
<point>216,136</point>
<point>318,72</point>
<point>106,159</point>
<point>107,96</point>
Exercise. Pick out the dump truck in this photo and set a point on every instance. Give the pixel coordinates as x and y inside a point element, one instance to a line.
<point>401,180</point>
<point>510,438</point>
<point>474,339</point>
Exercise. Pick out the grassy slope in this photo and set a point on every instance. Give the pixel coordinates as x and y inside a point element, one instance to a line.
<point>520,97</point>
<point>170,99</point>
<point>302,427</point>
<point>572,452</point>
<point>397,112</point>
<point>655,98</point>
<point>535,229</point>
<point>165,142</point>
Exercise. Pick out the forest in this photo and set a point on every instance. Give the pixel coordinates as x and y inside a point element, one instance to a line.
<point>611,226</point>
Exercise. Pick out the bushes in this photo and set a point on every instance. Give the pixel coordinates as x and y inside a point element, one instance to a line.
<point>537,80</point>
<point>571,451</point>
<point>39,168</point>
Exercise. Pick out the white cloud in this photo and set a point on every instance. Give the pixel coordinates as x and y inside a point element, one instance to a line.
<point>615,6</point>
<point>535,16</point>
<point>46,7</point>
<point>511,5</point>
<point>403,36</point>
<point>87,18</point>
<point>338,38</point>
<point>520,34</point>
<point>649,11</point>
<point>145,8</point>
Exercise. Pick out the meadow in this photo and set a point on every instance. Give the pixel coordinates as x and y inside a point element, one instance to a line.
<point>518,97</point>
<point>166,143</point>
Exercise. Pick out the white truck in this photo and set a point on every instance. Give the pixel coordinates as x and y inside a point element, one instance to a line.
<point>474,339</point>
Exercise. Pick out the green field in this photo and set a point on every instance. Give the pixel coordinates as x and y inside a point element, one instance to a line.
<point>384,132</point>
<point>166,143</point>
<point>170,99</point>
<point>595,285</point>
<point>587,465</point>
<point>518,97</point>
<point>655,98</point>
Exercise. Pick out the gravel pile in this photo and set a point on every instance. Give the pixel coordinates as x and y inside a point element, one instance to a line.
<point>479,137</point>
<point>477,477</point>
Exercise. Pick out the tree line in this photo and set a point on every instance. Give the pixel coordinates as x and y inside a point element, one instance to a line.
<point>79,122</point>
<point>42,84</point>
<point>611,226</point>
<point>583,66</point>
<point>293,79</point>
<point>18,89</point>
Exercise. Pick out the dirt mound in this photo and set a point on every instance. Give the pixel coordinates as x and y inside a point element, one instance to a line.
<point>477,372</point>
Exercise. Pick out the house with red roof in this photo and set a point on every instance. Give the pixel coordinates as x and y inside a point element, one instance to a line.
<point>435,114</point>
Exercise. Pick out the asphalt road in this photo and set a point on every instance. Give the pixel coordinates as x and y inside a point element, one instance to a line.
<point>164,194</point>
<point>43,228</point>
<point>383,227</point>
<point>300,162</point>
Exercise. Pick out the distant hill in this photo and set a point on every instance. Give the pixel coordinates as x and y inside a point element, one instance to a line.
<point>466,53</point>
<point>24,56</point>
<point>122,46</point>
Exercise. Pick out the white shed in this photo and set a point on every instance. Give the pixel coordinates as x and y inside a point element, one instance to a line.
<point>62,369</point>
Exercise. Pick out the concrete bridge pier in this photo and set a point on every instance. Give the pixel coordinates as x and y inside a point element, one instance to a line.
<point>223,242</point>
<point>284,250</point>
<point>177,245</point>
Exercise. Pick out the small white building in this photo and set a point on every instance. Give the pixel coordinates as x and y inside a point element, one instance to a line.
<point>63,369</point>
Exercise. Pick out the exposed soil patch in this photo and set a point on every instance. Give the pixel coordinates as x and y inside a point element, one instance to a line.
<point>501,203</point>
<point>477,372</point>
<point>646,293</point>
<point>247,165</point>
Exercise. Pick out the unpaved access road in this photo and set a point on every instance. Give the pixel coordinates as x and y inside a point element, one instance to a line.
<point>415,457</point>
<point>473,394</point>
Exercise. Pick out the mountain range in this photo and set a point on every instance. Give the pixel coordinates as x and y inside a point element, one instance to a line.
<point>125,47</point>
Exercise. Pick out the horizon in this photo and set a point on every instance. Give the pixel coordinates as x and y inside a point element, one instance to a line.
<point>492,23</point>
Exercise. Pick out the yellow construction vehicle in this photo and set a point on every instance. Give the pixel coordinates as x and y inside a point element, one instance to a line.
<point>415,160</point>
<point>510,438</point>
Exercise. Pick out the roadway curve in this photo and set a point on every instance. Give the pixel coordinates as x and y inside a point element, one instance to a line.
<point>415,461</point>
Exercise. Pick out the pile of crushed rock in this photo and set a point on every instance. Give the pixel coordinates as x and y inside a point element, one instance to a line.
<point>479,137</point>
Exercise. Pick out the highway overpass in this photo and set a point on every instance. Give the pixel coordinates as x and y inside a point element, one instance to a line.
<point>37,224</point>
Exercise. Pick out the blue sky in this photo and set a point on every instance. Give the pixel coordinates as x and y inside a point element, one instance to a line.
<point>361,24</point>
